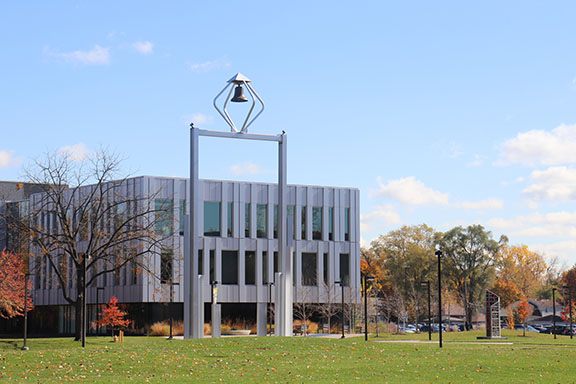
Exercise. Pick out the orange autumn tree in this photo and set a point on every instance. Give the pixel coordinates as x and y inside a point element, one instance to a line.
<point>113,316</point>
<point>12,280</point>
<point>523,310</point>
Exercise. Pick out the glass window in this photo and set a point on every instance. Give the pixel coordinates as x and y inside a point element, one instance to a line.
<point>276,221</point>
<point>291,213</point>
<point>304,223</point>
<point>276,265</point>
<point>249,267</point>
<point>164,216</point>
<point>212,260</point>
<point>230,272</point>
<point>331,223</point>
<point>247,220</point>
<point>261,221</point>
<point>345,268</point>
<point>166,257</point>
<point>211,218</point>
<point>347,224</point>
<point>230,227</point>
<point>200,261</point>
<point>309,269</point>
<point>264,267</point>
<point>325,271</point>
<point>182,216</point>
<point>317,223</point>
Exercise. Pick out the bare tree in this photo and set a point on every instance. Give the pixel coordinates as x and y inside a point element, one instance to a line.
<point>329,308</point>
<point>86,223</point>
<point>304,307</point>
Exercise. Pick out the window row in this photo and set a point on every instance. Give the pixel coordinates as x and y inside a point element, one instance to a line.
<point>213,225</point>
<point>231,268</point>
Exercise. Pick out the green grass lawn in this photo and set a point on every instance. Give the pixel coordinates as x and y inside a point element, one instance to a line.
<point>535,358</point>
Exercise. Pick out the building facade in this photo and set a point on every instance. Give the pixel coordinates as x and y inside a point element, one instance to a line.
<point>238,250</point>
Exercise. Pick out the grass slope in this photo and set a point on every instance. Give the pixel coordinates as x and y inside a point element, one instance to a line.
<point>537,358</point>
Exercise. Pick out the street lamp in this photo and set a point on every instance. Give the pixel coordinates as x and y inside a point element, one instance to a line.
<point>26,278</point>
<point>366,279</point>
<point>427,285</point>
<point>569,288</point>
<point>268,317</point>
<point>172,284</point>
<point>98,290</point>
<point>83,311</point>
<point>342,285</point>
<point>554,311</point>
<point>192,300</point>
<point>438,253</point>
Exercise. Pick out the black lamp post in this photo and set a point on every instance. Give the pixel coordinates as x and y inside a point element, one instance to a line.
<point>98,290</point>
<point>172,284</point>
<point>427,285</point>
<point>268,314</point>
<point>342,285</point>
<point>26,278</point>
<point>569,288</point>
<point>366,279</point>
<point>554,311</point>
<point>438,253</point>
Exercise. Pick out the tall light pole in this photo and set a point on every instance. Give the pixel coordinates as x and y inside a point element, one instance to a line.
<point>427,285</point>
<point>192,300</point>
<point>439,255</point>
<point>366,279</point>
<point>84,321</point>
<point>26,278</point>
<point>342,285</point>
<point>554,311</point>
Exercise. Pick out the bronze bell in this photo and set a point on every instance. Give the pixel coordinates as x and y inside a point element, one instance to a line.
<point>239,95</point>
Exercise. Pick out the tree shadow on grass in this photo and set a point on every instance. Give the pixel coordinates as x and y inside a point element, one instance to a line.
<point>9,344</point>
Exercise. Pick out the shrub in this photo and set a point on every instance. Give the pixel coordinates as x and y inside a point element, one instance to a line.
<point>162,328</point>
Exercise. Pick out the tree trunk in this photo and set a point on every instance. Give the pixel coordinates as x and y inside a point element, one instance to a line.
<point>78,320</point>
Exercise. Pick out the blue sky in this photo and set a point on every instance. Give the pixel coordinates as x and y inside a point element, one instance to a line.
<point>445,113</point>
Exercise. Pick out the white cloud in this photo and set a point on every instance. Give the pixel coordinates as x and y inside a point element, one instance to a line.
<point>380,216</point>
<point>76,152</point>
<point>248,168</point>
<point>410,191</point>
<point>564,250</point>
<point>200,119</point>
<point>96,56</point>
<point>208,65</point>
<point>478,161</point>
<point>554,183</point>
<point>480,205</point>
<point>7,159</point>
<point>541,147</point>
<point>143,47</point>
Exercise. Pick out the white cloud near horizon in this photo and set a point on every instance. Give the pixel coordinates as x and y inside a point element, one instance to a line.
<point>143,47</point>
<point>96,56</point>
<point>201,119</point>
<point>410,191</point>
<point>540,147</point>
<point>208,65</point>
<point>554,184</point>
<point>247,168</point>
<point>380,215</point>
<point>7,159</point>
<point>76,152</point>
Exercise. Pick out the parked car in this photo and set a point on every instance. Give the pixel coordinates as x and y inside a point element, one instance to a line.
<point>528,327</point>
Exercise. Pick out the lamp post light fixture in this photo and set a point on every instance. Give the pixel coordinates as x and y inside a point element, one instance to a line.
<point>438,254</point>
<point>427,285</point>
<point>569,288</point>
<point>342,286</point>
<point>26,279</point>
<point>193,324</point>
<point>554,311</point>
<point>98,290</point>
<point>366,279</point>
<point>172,284</point>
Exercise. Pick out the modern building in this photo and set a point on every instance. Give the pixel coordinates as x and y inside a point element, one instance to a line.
<point>238,250</point>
